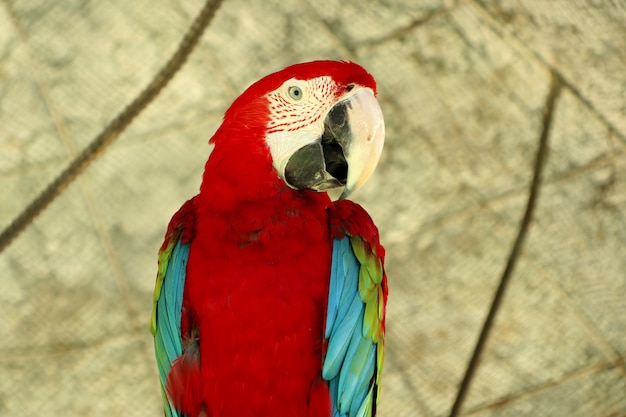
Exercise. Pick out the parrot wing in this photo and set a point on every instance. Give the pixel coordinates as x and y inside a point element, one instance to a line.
<point>165,325</point>
<point>355,321</point>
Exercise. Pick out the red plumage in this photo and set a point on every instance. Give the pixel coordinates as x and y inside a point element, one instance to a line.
<point>184,383</point>
<point>255,295</point>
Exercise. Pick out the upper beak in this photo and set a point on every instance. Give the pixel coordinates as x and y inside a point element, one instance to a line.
<point>348,151</point>
<point>367,137</point>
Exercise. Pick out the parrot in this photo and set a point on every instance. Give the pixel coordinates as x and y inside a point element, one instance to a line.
<point>270,295</point>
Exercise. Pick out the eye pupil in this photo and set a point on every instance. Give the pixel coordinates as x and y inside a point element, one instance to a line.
<point>295,93</point>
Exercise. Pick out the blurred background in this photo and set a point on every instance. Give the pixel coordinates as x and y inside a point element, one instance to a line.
<point>463,85</point>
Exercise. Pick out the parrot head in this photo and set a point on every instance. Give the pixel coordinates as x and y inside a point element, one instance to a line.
<point>321,121</point>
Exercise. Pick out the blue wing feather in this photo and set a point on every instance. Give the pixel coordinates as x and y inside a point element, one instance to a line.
<point>350,363</point>
<point>362,390</point>
<point>336,287</point>
<point>340,338</point>
<point>167,338</point>
<point>353,373</point>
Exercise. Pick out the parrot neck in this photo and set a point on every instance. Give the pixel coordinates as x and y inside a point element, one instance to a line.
<point>240,173</point>
<point>243,203</point>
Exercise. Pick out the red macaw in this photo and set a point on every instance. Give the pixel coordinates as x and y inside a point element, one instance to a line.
<point>270,298</point>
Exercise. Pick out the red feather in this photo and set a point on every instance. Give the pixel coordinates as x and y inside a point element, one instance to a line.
<point>184,385</point>
<point>258,273</point>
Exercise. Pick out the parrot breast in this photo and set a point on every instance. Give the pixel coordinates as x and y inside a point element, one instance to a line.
<point>256,290</point>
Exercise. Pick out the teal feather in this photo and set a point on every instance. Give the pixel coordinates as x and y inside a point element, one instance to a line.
<point>352,371</point>
<point>353,329</point>
<point>167,338</point>
<point>332,387</point>
<point>340,339</point>
<point>348,278</point>
<point>334,291</point>
<point>364,383</point>
<point>366,406</point>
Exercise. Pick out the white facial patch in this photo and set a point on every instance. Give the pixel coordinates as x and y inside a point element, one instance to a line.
<point>297,116</point>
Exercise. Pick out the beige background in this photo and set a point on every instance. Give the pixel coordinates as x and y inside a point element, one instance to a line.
<point>462,85</point>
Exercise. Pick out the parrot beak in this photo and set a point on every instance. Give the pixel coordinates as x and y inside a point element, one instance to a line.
<point>365,141</point>
<point>348,151</point>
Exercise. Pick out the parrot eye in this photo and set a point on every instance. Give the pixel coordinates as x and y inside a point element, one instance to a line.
<point>349,87</point>
<point>295,92</point>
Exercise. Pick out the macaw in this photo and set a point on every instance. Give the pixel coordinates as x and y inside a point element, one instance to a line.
<point>270,297</point>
